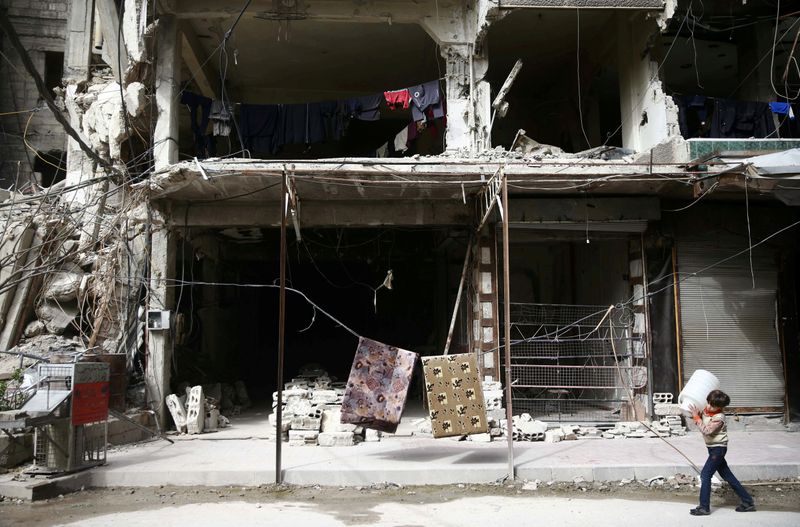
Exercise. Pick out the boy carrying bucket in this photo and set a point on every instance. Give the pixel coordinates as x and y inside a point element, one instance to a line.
<point>711,422</point>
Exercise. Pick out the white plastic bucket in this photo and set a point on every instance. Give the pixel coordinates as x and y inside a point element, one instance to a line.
<point>700,384</point>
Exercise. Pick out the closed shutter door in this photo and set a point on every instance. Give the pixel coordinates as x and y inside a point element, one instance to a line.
<point>728,327</point>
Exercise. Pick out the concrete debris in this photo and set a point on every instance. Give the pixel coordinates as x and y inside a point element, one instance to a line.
<point>303,437</point>
<point>34,329</point>
<point>312,404</point>
<point>56,316</point>
<point>667,409</point>
<point>195,411</point>
<point>336,439</point>
<point>177,412</point>
<point>64,284</point>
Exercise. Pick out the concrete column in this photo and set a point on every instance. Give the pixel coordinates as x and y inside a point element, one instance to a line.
<point>168,74</point>
<point>467,94</point>
<point>159,342</point>
<point>649,116</point>
<point>460,32</point>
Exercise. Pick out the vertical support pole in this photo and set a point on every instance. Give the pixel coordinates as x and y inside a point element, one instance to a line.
<point>160,297</point>
<point>507,324</point>
<point>168,72</point>
<point>281,328</point>
<point>677,301</point>
<point>458,297</point>
<point>648,339</point>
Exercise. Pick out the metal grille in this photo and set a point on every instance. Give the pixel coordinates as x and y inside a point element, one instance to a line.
<point>562,361</point>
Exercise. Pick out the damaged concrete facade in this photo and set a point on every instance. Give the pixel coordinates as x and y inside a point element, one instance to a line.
<point>612,202</point>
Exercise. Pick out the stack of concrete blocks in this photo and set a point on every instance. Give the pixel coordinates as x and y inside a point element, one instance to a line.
<point>675,424</point>
<point>664,408</point>
<point>334,432</point>
<point>495,413</point>
<point>525,428</point>
<point>195,411</point>
<point>312,412</point>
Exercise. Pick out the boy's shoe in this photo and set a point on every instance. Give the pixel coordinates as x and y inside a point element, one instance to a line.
<point>744,507</point>
<point>699,511</point>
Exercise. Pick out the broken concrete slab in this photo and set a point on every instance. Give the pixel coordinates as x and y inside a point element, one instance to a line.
<point>57,316</point>
<point>22,302</point>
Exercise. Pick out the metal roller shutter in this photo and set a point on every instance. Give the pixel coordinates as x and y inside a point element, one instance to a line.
<point>728,327</point>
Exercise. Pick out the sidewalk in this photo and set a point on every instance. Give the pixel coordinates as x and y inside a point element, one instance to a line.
<point>243,456</point>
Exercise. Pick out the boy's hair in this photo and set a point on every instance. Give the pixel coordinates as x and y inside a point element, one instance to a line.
<point>718,399</point>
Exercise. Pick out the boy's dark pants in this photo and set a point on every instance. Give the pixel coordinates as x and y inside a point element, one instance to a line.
<point>716,463</point>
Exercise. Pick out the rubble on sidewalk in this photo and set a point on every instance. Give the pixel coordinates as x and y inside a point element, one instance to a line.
<point>311,412</point>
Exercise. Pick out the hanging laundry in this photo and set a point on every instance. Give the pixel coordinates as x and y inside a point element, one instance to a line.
<point>365,108</point>
<point>401,140</point>
<point>220,116</point>
<point>782,108</point>
<point>198,103</point>
<point>741,119</point>
<point>424,96</point>
<point>397,99</point>
<point>455,395</point>
<point>378,385</point>
<point>261,127</point>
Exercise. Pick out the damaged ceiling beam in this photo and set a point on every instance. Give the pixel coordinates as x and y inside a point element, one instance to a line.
<point>192,54</point>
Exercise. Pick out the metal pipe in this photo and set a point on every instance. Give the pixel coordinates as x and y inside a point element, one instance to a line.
<point>281,327</point>
<point>507,324</point>
<point>648,339</point>
<point>677,303</point>
<point>458,298</point>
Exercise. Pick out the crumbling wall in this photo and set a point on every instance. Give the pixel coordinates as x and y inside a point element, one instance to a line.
<point>41,27</point>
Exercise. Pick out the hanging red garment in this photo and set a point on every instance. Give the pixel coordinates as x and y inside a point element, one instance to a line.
<point>397,99</point>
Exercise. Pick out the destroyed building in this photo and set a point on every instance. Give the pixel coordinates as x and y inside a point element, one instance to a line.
<point>649,150</point>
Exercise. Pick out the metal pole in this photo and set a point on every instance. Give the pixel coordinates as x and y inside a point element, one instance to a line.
<point>648,339</point>
<point>507,324</point>
<point>281,324</point>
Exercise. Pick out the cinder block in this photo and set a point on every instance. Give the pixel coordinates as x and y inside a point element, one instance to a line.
<point>336,439</point>
<point>306,423</point>
<point>303,437</point>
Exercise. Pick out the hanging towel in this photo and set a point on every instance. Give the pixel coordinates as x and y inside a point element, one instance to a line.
<point>401,140</point>
<point>455,395</point>
<point>377,387</point>
<point>397,99</point>
<point>221,116</point>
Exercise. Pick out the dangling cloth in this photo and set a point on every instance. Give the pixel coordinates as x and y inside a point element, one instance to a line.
<point>398,99</point>
<point>455,396</point>
<point>377,387</point>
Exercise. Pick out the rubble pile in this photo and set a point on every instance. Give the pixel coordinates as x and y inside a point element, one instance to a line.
<point>311,412</point>
<point>200,409</point>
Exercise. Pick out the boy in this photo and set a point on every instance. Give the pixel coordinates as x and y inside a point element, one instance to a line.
<point>711,422</point>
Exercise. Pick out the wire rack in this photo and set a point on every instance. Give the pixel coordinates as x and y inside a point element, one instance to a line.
<point>572,362</point>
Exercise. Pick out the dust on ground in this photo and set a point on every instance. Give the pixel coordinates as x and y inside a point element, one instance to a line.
<point>778,496</point>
